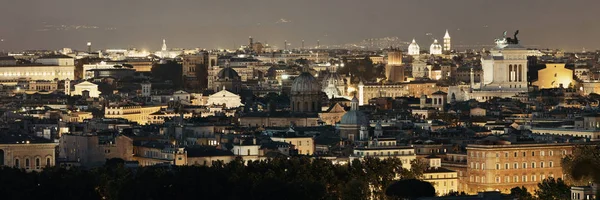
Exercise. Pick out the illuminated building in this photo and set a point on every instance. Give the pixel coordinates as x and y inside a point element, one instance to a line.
<point>138,114</point>
<point>443,180</point>
<point>225,98</point>
<point>304,144</point>
<point>503,166</point>
<point>413,88</point>
<point>30,154</point>
<point>394,70</point>
<point>554,76</point>
<point>86,89</point>
<point>332,115</point>
<point>435,48</point>
<point>46,68</point>
<point>333,84</point>
<point>447,42</point>
<point>165,53</point>
<point>414,49</point>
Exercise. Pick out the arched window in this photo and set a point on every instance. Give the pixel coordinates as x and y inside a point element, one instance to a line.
<point>37,163</point>
<point>27,163</point>
<point>305,106</point>
<point>48,162</point>
<point>17,163</point>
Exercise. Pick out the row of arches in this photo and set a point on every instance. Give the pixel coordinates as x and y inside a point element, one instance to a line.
<point>27,163</point>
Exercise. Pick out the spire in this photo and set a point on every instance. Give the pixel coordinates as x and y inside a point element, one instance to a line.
<point>414,41</point>
<point>447,35</point>
<point>164,46</point>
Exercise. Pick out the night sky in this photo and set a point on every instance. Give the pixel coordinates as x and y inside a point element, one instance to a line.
<point>54,24</point>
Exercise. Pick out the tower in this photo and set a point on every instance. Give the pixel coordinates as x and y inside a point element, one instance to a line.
<point>164,46</point>
<point>472,77</point>
<point>363,133</point>
<point>67,87</point>
<point>89,47</point>
<point>146,89</point>
<point>251,42</point>
<point>447,42</point>
<point>394,71</point>
<point>361,95</point>
<point>378,130</point>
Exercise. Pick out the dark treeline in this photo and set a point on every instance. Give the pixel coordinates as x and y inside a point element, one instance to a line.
<point>294,178</point>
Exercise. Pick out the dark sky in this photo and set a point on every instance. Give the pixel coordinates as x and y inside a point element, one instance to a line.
<point>38,24</point>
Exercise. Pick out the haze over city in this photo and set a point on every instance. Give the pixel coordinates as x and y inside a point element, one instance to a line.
<point>41,24</point>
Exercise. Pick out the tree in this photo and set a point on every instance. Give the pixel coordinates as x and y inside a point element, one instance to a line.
<point>583,165</point>
<point>521,193</point>
<point>553,189</point>
<point>410,189</point>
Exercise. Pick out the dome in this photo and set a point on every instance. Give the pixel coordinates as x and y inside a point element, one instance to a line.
<point>305,83</point>
<point>435,48</point>
<point>332,78</point>
<point>354,116</point>
<point>228,73</point>
<point>413,48</point>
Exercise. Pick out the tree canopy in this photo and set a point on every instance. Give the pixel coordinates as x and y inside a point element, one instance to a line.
<point>281,178</point>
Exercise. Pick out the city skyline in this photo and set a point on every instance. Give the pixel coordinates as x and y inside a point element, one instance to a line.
<point>227,24</point>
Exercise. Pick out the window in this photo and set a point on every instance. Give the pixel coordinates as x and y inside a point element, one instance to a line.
<point>37,163</point>
<point>533,153</point>
<point>532,165</point>
<point>516,166</point>
<point>515,179</point>
<point>524,154</point>
<point>515,154</point>
<point>506,179</point>
<point>524,165</point>
<point>482,165</point>
<point>541,164</point>
<point>506,154</point>
<point>27,163</point>
<point>533,178</point>
<point>477,179</point>
<point>542,153</point>
<point>506,166</point>
<point>550,164</point>
<point>524,178</point>
<point>17,163</point>
<point>476,165</point>
<point>497,155</point>
<point>497,166</point>
<point>472,165</point>
<point>497,179</point>
<point>542,177</point>
<point>551,153</point>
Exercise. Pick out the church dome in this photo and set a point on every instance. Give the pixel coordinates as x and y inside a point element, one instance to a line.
<point>435,48</point>
<point>228,73</point>
<point>332,78</point>
<point>305,83</point>
<point>413,48</point>
<point>354,116</point>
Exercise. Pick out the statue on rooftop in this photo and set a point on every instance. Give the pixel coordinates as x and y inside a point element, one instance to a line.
<point>513,40</point>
